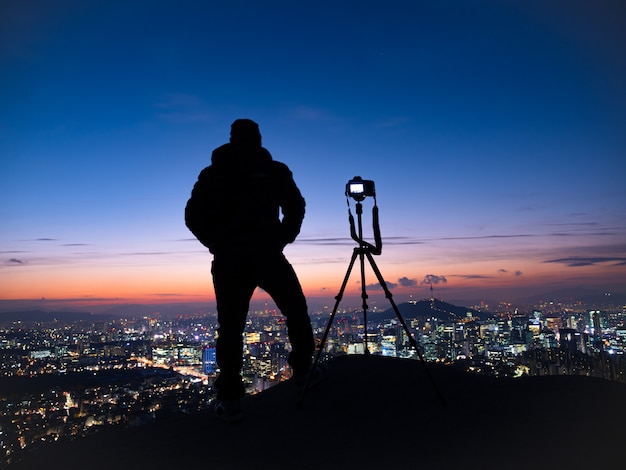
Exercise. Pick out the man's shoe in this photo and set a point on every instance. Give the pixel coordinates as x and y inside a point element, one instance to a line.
<point>228,410</point>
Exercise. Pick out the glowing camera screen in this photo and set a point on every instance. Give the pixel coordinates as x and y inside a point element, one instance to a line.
<point>358,188</point>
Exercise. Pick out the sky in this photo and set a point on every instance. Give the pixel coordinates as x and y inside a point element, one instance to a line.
<point>493,130</point>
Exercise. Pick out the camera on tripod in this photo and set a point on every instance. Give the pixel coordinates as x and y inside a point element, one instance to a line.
<point>358,188</point>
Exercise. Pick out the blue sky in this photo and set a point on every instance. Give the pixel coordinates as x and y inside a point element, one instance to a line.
<point>492,129</point>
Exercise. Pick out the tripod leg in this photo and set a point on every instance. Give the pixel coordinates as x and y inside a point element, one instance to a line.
<point>412,340</point>
<point>320,349</point>
<point>364,306</point>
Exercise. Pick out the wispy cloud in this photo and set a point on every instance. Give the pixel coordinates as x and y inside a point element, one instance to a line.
<point>69,300</point>
<point>183,108</point>
<point>528,208</point>
<point>326,241</point>
<point>574,224</point>
<point>320,261</point>
<point>310,113</point>
<point>401,241</point>
<point>179,100</point>
<point>472,276</point>
<point>392,122</point>
<point>487,237</point>
<point>146,253</point>
<point>343,241</point>
<point>577,261</point>
<point>406,240</point>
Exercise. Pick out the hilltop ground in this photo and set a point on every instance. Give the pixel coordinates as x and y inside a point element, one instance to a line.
<point>374,412</point>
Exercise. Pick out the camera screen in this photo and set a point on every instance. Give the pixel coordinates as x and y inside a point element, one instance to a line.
<point>357,188</point>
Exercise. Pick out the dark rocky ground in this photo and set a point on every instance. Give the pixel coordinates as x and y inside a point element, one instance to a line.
<point>373,412</point>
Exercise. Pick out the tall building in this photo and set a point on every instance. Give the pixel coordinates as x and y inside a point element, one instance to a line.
<point>571,340</point>
<point>209,363</point>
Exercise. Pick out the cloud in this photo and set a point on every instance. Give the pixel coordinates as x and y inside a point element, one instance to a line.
<point>147,253</point>
<point>485,237</point>
<point>309,113</point>
<point>577,261</point>
<point>392,122</point>
<point>528,208</point>
<point>576,224</point>
<point>343,241</point>
<point>15,262</point>
<point>86,298</point>
<point>377,286</point>
<point>401,241</point>
<point>327,241</point>
<point>183,108</point>
<point>406,282</point>
<point>506,271</point>
<point>179,100</point>
<point>321,261</point>
<point>433,279</point>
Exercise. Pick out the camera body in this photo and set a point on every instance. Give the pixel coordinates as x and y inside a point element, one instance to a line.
<point>358,188</point>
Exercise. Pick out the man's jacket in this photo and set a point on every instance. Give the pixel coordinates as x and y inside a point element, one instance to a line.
<point>237,201</point>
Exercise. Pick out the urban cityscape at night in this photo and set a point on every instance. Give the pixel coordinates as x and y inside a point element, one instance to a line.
<point>64,379</point>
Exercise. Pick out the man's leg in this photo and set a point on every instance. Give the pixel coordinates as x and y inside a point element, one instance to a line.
<point>233,285</point>
<point>279,280</point>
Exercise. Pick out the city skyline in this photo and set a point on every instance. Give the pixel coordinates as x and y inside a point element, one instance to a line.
<point>68,377</point>
<point>493,132</point>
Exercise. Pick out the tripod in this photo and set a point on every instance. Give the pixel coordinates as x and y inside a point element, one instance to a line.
<point>363,251</point>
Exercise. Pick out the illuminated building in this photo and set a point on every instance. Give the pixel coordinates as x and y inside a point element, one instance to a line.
<point>209,362</point>
<point>571,340</point>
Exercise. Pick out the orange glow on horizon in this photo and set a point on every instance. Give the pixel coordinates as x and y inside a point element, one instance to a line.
<point>192,283</point>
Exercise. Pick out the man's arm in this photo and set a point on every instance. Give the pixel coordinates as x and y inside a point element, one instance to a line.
<point>292,204</point>
<point>198,210</point>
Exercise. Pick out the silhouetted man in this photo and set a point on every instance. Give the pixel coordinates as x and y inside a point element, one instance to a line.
<point>234,211</point>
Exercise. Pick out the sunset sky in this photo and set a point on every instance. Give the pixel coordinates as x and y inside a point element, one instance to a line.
<point>494,132</point>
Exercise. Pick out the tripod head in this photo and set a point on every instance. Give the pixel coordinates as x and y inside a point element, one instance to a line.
<point>359,189</point>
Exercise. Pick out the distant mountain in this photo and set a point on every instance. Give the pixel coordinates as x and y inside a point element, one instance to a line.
<point>587,296</point>
<point>427,308</point>
<point>41,316</point>
<point>131,310</point>
<point>103,313</point>
<point>163,310</point>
